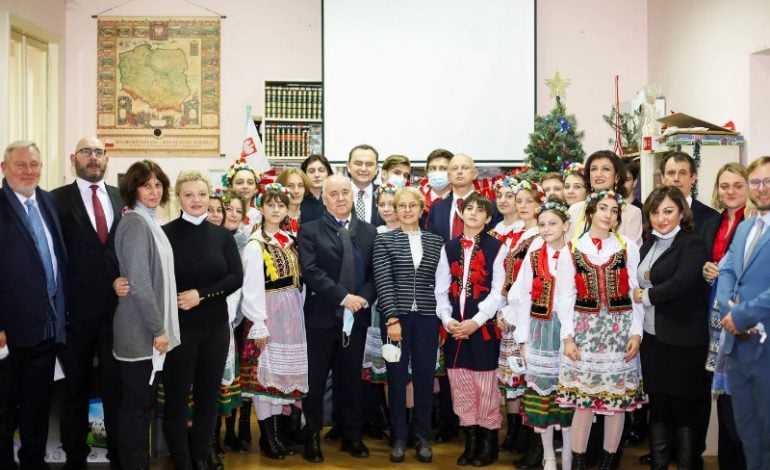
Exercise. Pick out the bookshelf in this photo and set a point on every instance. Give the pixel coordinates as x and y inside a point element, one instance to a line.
<point>293,124</point>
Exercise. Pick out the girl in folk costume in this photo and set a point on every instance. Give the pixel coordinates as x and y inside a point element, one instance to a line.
<point>468,290</point>
<point>274,324</point>
<point>527,199</point>
<point>509,229</point>
<point>531,307</point>
<point>601,328</point>
<point>244,180</point>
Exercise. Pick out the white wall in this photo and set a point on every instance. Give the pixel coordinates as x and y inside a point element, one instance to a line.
<point>261,40</point>
<point>700,51</point>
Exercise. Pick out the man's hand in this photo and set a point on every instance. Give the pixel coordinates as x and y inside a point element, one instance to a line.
<point>354,303</point>
<point>3,341</point>
<point>632,348</point>
<point>188,299</point>
<point>121,286</point>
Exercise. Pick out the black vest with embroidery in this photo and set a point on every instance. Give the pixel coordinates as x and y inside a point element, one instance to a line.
<point>286,264</point>
<point>513,261</point>
<point>480,350</point>
<point>542,299</point>
<point>601,285</point>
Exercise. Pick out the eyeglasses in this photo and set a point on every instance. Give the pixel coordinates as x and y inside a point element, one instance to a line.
<point>412,206</point>
<point>98,153</point>
<point>756,183</point>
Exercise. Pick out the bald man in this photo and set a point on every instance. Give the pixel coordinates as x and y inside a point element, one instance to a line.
<point>89,211</point>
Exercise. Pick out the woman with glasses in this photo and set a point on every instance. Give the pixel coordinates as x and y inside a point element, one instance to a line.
<point>405,264</point>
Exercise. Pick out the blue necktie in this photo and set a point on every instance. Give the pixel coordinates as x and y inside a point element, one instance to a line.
<point>42,245</point>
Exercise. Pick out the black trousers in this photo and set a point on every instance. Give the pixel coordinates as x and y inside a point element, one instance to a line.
<point>730,453</point>
<point>198,362</point>
<point>26,380</point>
<point>77,359</point>
<point>134,413</point>
<point>419,345</point>
<point>325,352</point>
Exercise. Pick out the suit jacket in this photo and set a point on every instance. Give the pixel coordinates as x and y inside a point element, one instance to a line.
<point>24,302</point>
<point>320,255</point>
<point>749,284</point>
<point>399,284</point>
<point>92,265</point>
<point>375,218</point>
<point>701,213</point>
<point>680,320</point>
<point>709,230</point>
<point>441,213</point>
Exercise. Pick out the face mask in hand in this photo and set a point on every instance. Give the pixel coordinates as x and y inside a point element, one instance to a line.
<point>347,322</point>
<point>391,352</point>
<point>438,180</point>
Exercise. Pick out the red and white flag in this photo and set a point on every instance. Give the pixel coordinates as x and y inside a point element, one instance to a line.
<point>252,151</point>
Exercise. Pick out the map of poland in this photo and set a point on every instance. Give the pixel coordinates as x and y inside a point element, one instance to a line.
<point>155,76</point>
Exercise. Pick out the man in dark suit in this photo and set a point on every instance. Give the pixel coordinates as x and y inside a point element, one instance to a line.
<point>335,253</point>
<point>32,305</point>
<point>362,167</point>
<point>678,170</point>
<point>89,211</point>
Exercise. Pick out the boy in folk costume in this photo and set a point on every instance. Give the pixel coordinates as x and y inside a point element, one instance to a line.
<point>468,284</point>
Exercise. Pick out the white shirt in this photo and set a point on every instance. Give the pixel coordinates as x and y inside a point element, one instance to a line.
<point>368,194</point>
<point>104,197</point>
<point>48,237</point>
<point>455,210</point>
<point>488,307</point>
<point>565,281</point>
<point>502,229</point>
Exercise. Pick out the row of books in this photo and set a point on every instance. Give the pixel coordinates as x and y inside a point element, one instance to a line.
<point>291,139</point>
<point>293,101</point>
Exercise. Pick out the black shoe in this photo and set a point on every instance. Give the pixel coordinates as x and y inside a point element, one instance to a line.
<point>471,445</point>
<point>487,451</point>
<point>579,461</point>
<point>523,438</point>
<point>686,457</point>
<point>605,460</point>
<point>423,452</point>
<point>445,434</point>
<point>244,426</point>
<point>533,457</point>
<point>231,441</point>
<point>514,425</point>
<point>333,434</point>
<point>313,448</point>
<point>398,451</point>
<point>280,427</point>
<point>645,459</point>
<point>215,462</point>
<point>268,447</point>
<point>660,445</point>
<point>356,449</point>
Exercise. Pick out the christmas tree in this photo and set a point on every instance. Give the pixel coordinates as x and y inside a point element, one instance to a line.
<point>555,140</point>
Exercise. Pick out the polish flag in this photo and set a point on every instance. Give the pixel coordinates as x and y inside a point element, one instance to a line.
<point>252,151</point>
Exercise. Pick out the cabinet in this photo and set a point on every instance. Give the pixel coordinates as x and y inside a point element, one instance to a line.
<point>293,123</point>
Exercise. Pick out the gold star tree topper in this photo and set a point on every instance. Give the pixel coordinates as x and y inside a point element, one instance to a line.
<point>557,85</point>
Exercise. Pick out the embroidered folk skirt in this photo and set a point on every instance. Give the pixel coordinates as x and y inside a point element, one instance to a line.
<point>512,385</point>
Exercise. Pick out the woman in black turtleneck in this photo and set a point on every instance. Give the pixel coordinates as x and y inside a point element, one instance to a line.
<point>207,268</point>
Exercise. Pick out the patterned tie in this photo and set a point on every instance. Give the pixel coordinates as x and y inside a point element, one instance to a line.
<point>41,242</point>
<point>757,235</point>
<point>457,221</point>
<point>101,220</point>
<point>360,209</point>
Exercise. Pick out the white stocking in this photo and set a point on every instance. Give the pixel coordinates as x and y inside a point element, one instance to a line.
<point>581,427</point>
<point>263,409</point>
<point>566,450</point>
<point>546,436</point>
<point>613,431</point>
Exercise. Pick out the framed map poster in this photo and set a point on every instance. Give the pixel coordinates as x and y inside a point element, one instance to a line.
<point>158,85</point>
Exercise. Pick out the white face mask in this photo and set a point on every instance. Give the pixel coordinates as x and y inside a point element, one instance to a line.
<point>438,179</point>
<point>391,352</point>
<point>397,180</point>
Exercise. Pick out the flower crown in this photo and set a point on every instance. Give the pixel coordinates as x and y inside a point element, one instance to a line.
<point>387,188</point>
<point>606,193</point>
<point>524,184</point>
<point>570,168</point>
<point>227,178</point>
<point>553,206</point>
<point>216,194</point>
<point>506,182</point>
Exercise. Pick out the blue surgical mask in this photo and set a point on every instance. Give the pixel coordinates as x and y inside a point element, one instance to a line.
<point>397,180</point>
<point>347,322</point>
<point>438,180</point>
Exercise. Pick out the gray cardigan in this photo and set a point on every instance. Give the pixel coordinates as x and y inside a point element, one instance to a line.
<point>139,316</point>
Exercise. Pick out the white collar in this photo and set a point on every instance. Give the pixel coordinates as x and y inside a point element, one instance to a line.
<point>84,185</point>
<point>194,220</point>
<point>689,200</point>
<point>669,235</point>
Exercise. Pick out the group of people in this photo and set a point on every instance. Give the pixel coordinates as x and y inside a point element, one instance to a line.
<point>563,299</point>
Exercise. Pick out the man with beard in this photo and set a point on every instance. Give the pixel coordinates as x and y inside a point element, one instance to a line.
<point>89,211</point>
<point>744,298</point>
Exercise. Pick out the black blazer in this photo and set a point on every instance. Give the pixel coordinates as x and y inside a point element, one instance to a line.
<point>24,301</point>
<point>701,213</point>
<point>399,284</point>
<point>678,292</point>
<point>320,256</point>
<point>709,230</point>
<point>92,265</point>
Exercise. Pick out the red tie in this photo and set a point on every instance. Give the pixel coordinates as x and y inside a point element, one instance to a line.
<point>457,222</point>
<point>466,243</point>
<point>101,220</point>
